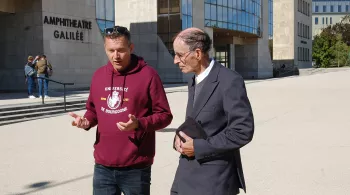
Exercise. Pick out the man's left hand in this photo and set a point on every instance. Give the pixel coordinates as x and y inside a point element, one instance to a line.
<point>187,147</point>
<point>131,125</point>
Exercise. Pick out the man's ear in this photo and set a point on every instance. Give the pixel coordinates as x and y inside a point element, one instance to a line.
<point>132,46</point>
<point>199,54</point>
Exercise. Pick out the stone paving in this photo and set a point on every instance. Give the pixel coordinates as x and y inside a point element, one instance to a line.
<point>301,144</point>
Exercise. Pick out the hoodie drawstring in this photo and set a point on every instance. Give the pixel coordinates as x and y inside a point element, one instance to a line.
<point>123,90</point>
<point>112,84</point>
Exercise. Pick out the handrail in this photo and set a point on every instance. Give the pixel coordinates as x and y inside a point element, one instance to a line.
<point>64,90</point>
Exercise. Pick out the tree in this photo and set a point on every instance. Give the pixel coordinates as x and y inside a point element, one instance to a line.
<point>322,49</point>
<point>331,47</point>
<point>340,51</point>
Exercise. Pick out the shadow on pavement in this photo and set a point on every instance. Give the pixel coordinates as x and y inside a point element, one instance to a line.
<point>39,184</point>
<point>47,184</point>
<point>167,130</point>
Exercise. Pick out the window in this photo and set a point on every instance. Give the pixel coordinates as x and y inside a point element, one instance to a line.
<point>347,8</point>
<point>322,20</point>
<point>326,20</point>
<point>186,13</point>
<point>105,14</point>
<point>240,15</point>
<point>316,8</point>
<point>339,8</point>
<point>316,20</point>
<point>308,9</point>
<point>330,20</point>
<point>332,8</point>
<point>324,8</point>
<point>170,21</point>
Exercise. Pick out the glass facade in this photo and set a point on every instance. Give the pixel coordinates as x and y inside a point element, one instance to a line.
<point>169,21</point>
<point>240,15</point>
<point>186,13</point>
<point>270,19</point>
<point>105,14</point>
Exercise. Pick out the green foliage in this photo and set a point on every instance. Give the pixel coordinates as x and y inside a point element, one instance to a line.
<point>330,48</point>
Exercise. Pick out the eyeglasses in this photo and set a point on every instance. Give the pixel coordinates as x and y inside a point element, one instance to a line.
<point>183,60</point>
<point>117,30</point>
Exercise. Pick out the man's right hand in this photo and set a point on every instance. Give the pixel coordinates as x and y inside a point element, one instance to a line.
<point>79,121</point>
<point>177,143</point>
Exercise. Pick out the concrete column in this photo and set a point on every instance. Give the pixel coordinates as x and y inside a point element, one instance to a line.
<point>253,56</point>
<point>198,14</point>
<point>211,35</point>
<point>232,57</point>
<point>264,59</point>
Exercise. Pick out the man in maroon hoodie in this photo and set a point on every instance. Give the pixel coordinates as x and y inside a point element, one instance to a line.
<point>128,103</point>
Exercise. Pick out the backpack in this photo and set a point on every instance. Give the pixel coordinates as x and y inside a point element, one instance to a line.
<point>29,71</point>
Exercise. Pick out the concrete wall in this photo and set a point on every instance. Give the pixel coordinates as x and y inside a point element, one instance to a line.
<point>73,60</point>
<point>20,35</point>
<point>253,56</point>
<point>283,29</point>
<point>140,16</point>
<point>198,13</point>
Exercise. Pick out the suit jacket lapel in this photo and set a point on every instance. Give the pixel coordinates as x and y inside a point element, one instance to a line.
<point>190,96</point>
<point>207,90</point>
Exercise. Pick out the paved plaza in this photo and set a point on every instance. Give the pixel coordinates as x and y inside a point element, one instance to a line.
<point>301,144</point>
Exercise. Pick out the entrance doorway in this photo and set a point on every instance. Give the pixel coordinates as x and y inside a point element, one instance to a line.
<point>222,55</point>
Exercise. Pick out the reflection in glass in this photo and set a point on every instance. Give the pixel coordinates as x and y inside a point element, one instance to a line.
<point>105,14</point>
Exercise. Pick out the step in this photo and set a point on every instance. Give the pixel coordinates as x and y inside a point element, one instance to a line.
<point>14,121</point>
<point>38,113</point>
<point>39,109</point>
<point>39,105</point>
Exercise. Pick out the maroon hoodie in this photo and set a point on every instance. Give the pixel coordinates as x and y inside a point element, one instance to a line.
<point>113,96</point>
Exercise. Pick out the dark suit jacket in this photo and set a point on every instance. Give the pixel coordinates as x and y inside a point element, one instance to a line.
<point>224,112</point>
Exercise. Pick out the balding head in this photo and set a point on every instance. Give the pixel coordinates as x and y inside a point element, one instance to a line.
<point>191,48</point>
<point>195,38</point>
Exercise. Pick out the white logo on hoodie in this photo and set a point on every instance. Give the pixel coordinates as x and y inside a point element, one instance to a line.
<point>114,101</point>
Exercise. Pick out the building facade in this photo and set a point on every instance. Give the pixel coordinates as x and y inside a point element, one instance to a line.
<point>69,34</point>
<point>292,43</point>
<point>239,29</point>
<point>325,13</point>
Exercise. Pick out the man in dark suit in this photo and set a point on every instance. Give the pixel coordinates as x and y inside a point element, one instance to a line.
<point>217,100</point>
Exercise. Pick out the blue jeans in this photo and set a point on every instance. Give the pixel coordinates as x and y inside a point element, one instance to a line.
<point>40,84</point>
<point>31,85</point>
<point>114,181</point>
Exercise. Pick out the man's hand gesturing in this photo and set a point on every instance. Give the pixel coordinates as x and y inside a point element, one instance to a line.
<point>79,121</point>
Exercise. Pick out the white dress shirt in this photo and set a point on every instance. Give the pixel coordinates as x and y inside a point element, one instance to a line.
<point>205,73</point>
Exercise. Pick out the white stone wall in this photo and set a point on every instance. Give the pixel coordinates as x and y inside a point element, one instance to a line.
<point>317,28</point>
<point>73,60</point>
<point>285,33</point>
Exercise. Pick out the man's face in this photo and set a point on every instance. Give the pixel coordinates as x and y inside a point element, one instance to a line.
<point>118,51</point>
<point>184,58</point>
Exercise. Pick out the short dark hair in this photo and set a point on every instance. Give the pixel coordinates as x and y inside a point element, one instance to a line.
<point>196,40</point>
<point>44,56</point>
<point>117,31</point>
